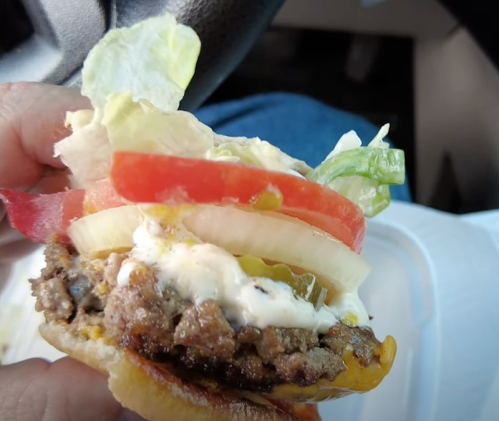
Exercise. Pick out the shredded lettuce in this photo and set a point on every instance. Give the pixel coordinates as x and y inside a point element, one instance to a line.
<point>257,152</point>
<point>152,63</point>
<point>86,151</point>
<point>135,78</point>
<point>383,165</point>
<point>154,60</point>
<point>347,142</point>
<point>362,174</point>
<point>78,119</point>
<point>140,127</point>
<point>369,195</point>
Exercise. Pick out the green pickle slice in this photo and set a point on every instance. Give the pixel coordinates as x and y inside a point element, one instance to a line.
<point>305,286</point>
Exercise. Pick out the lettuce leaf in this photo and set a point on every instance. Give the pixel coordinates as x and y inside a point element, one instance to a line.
<point>154,60</point>
<point>86,152</point>
<point>384,165</point>
<point>369,195</point>
<point>256,152</point>
<point>141,127</point>
<point>362,174</point>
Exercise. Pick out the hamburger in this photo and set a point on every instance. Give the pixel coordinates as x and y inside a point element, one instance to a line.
<point>209,277</point>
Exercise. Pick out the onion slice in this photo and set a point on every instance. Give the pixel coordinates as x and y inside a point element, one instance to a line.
<point>108,230</point>
<point>282,240</point>
<point>275,237</point>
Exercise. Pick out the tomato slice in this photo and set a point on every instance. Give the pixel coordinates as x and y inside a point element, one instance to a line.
<point>148,178</point>
<point>41,216</point>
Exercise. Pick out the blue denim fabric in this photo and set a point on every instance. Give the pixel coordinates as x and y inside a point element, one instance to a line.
<point>300,126</point>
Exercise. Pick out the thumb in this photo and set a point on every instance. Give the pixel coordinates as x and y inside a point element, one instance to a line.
<point>67,390</point>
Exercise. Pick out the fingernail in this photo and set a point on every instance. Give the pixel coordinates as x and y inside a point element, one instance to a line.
<point>127,415</point>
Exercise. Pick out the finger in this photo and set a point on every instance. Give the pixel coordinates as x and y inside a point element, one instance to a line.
<point>52,182</point>
<point>31,120</point>
<point>66,390</point>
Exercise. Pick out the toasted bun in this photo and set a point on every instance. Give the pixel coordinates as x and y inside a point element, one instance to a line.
<point>153,392</point>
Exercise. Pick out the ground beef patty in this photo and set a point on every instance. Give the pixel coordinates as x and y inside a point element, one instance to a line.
<point>162,327</point>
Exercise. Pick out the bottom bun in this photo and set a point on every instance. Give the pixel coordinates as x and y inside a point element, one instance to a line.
<point>157,395</point>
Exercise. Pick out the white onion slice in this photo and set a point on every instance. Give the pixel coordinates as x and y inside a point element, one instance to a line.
<point>281,240</point>
<point>269,236</point>
<point>107,230</point>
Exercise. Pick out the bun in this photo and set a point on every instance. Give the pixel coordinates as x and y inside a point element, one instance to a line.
<point>158,395</point>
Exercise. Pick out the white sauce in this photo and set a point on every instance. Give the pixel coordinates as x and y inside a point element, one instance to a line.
<point>126,270</point>
<point>349,304</point>
<point>204,271</point>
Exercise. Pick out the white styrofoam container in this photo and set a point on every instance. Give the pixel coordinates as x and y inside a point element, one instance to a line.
<point>434,287</point>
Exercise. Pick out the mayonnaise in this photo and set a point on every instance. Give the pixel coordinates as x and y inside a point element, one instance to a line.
<point>204,271</point>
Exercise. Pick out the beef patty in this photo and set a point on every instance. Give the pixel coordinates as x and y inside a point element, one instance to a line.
<point>162,327</point>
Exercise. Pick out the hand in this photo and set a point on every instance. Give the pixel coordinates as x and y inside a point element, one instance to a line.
<point>31,121</point>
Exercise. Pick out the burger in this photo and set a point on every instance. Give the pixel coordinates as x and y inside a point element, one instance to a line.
<point>209,277</point>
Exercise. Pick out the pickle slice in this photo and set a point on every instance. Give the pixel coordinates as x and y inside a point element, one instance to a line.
<point>305,286</point>
<point>271,199</point>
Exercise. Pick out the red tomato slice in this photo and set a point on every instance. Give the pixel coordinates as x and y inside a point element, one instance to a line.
<point>41,216</point>
<point>151,178</point>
